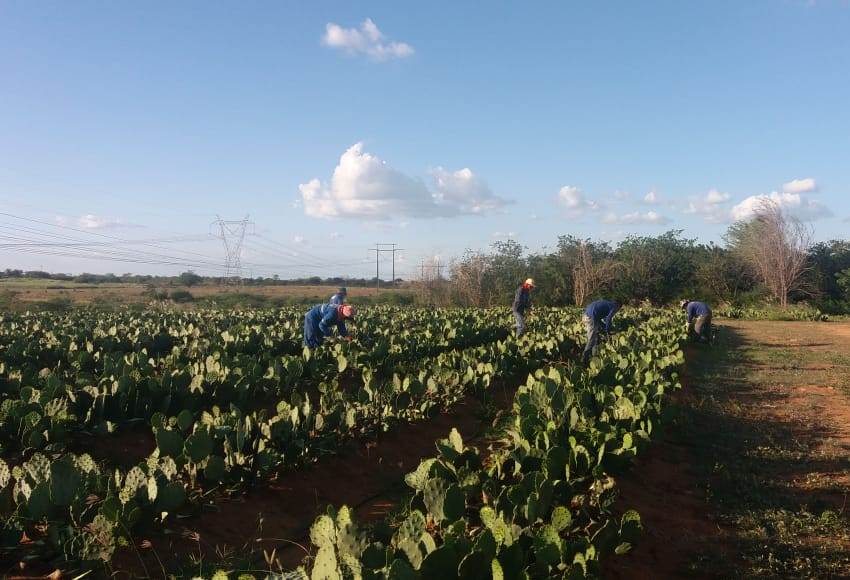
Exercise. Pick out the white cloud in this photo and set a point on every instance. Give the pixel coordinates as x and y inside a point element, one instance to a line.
<point>806,185</point>
<point>714,197</point>
<point>367,39</point>
<point>335,235</point>
<point>574,201</point>
<point>634,218</point>
<point>300,240</point>
<point>503,235</point>
<point>364,186</point>
<point>650,198</point>
<point>711,206</point>
<point>466,191</point>
<point>793,203</point>
<point>94,222</point>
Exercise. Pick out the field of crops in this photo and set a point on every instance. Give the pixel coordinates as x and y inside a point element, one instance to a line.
<point>219,401</point>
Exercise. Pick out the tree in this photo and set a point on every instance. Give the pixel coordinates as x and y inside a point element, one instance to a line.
<point>655,268</point>
<point>776,245</point>
<point>827,261</point>
<point>721,275</point>
<point>589,275</point>
<point>190,278</point>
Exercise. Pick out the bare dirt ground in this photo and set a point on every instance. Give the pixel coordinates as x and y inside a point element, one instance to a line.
<point>29,291</point>
<point>275,518</point>
<point>752,475</point>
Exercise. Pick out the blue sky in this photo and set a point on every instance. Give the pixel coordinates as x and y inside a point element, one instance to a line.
<point>439,126</point>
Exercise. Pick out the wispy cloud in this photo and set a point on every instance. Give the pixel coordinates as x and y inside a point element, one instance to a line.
<point>91,221</point>
<point>636,218</point>
<point>651,198</point>
<point>366,40</point>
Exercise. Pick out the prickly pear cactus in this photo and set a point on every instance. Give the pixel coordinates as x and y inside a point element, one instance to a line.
<point>323,532</point>
<point>65,480</point>
<point>417,479</point>
<point>325,566</point>
<point>5,475</point>
<point>445,501</point>
<point>199,446</point>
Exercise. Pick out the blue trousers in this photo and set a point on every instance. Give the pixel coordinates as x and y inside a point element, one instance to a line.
<point>520,322</point>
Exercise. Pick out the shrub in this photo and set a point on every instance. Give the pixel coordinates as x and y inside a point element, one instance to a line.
<point>181,296</point>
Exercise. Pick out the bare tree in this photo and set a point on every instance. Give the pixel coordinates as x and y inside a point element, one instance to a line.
<point>589,276</point>
<point>776,246</point>
<point>468,279</point>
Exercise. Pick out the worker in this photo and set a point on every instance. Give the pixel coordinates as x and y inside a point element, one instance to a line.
<point>522,303</point>
<point>340,296</point>
<point>699,314</point>
<point>319,322</point>
<point>597,316</point>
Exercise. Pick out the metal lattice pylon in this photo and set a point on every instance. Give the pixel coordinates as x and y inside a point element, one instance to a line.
<point>232,234</point>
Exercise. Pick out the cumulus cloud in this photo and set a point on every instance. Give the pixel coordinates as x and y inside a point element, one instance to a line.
<point>364,186</point>
<point>635,218</point>
<point>575,202</point>
<point>793,203</point>
<point>806,185</point>
<point>465,190</point>
<point>711,206</point>
<point>367,40</point>
<point>650,198</point>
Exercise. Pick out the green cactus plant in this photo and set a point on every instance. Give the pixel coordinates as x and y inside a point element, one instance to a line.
<point>199,446</point>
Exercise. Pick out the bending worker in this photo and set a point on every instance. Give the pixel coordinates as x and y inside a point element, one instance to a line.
<point>597,314</point>
<point>700,315</point>
<point>320,320</point>
<point>340,296</point>
<point>522,303</point>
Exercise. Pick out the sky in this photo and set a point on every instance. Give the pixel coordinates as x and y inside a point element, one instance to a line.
<point>127,129</point>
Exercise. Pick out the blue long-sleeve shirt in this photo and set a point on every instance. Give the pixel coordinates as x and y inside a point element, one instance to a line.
<point>323,317</point>
<point>602,310</point>
<point>522,300</point>
<point>697,309</point>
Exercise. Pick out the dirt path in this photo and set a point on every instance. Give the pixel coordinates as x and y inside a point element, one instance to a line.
<point>365,475</point>
<point>752,474</point>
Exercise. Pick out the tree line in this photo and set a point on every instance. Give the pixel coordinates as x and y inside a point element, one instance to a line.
<point>768,259</point>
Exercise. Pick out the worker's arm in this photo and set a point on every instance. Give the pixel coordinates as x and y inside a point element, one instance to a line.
<point>610,318</point>
<point>690,315</point>
<point>340,326</point>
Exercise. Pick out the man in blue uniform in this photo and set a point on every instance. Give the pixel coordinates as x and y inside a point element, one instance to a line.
<point>597,315</point>
<point>320,320</point>
<point>522,303</point>
<point>340,296</point>
<point>699,314</point>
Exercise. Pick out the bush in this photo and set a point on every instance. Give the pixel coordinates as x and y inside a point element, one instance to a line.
<point>58,304</point>
<point>181,296</point>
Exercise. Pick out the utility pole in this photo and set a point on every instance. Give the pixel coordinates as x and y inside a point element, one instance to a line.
<point>378,249</point>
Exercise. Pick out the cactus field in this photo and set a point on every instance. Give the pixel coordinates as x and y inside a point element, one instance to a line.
<point>118,427</point>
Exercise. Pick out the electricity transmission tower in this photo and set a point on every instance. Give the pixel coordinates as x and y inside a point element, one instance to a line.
<point>232,234</point>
